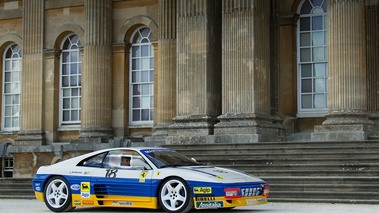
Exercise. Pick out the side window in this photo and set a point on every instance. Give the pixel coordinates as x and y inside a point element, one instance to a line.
<point>125,159</point>
<point>94,161</point>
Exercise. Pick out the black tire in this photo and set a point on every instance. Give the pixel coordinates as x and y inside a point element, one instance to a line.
<point>57,195</point>
<point>175,196</point>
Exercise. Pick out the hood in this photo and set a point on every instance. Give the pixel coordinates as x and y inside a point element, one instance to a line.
<point>224,175</point>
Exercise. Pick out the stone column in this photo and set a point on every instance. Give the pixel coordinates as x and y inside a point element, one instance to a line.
<point>372,60</point>
<point>32,112</point>
<point>198,67</point>
<point>347,97</point>
<point>166,78</point>
<point>97,86</point>
<point>246,72</point>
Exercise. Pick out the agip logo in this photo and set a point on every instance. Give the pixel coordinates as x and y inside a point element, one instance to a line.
<point>202,190</point>
<point>85,191</point>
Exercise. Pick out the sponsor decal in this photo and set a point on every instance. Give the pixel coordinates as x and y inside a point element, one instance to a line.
<point>220,177</point>
<point>76,172</point>
<point>205,198</point>
<point>251,202</point>
<point>115,203</point>
<point>209,204</point>
<point>125,203</point>
<point>142,177</point>
<point>85,190</point>
<point>86,173</point>
<point>75,187</point>
<point>77,202</point>
<point>202,190</point>
<point>37,183</point>
<point>262,200</point>
<point>38,188</point>
<point>158,173</point>
<point>88,202</point>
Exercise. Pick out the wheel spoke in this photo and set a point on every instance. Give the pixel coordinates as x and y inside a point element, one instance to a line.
<point>181,198</point>
<point>51,196</point>
<point>173,204</point>
<point>61,186</point>
<point>179,187</point>
<point>63,196</point>
<point>53,187</point>
<point>166,197</point>
<point>169,188</point>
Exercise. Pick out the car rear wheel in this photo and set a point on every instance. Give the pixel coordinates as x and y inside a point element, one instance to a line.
<point>57,195</point>
<point>175,195</point>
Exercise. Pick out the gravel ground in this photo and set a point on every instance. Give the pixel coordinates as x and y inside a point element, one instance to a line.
<point>11,206</point>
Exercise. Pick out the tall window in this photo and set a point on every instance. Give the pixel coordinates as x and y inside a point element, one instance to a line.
<point>11,88</point>
<point>312,57</point>
<point>70,81</point>
<point>142,77</point>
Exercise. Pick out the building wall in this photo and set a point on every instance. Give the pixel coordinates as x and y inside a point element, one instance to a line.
<point>224,72</point>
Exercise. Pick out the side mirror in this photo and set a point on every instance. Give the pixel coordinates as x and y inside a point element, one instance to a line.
<point>194,160</point>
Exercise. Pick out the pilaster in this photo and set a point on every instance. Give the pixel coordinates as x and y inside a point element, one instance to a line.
<point>32,111</point>
<point>120,58</point>
<point>166,84</point>
<point>198,67</point>
<point>246,70</point>
<point>372,60</point>
<point>97,82</point>
<point>51,101</point>
<point>347,98</point>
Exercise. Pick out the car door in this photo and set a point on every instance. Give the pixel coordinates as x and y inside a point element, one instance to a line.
<point>123,182</point>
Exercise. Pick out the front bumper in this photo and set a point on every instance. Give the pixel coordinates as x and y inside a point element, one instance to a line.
<point>222,202</point>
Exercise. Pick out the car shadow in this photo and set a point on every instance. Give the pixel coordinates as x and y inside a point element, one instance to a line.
<point>110,209</point>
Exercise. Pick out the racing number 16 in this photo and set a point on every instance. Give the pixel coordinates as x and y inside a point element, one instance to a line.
<point>111,173</point>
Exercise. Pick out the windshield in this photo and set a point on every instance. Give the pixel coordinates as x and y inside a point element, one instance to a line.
<point>168,158</point>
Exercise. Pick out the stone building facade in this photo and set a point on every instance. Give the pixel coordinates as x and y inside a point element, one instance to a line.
<point>83,75</point>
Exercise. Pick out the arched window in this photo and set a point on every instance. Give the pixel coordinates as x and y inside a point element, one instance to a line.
<point>11,88</point>
<point>70,81</point>
<point>141,77</point>
<point>312,57</point>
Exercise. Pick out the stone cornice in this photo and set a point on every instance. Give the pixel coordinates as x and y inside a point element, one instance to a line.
<point>10,14</point>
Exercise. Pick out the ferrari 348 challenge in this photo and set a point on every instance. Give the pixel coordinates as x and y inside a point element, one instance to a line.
<point>144,178</point>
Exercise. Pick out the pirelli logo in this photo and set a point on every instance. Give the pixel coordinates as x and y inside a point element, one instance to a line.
<point>205,198</point>
<point>202,190</point>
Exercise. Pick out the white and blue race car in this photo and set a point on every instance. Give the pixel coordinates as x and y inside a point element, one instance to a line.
<point>144,178</point>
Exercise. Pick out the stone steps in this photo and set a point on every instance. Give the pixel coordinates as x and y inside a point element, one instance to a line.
<point>16,188</point>
<point>332,172</point>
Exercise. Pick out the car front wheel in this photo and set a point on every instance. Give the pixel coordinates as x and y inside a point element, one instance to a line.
<point>175,196</point>
<point>58,195</point>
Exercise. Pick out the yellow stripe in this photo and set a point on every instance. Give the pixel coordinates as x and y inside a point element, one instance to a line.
<point>114,201</point>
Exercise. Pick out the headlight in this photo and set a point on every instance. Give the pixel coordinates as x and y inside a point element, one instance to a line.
<point>233,193</point>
